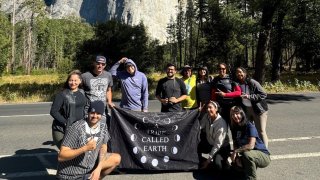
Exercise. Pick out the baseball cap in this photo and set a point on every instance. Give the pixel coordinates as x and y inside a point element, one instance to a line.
<point>97,106</point>
<point>101,59</point>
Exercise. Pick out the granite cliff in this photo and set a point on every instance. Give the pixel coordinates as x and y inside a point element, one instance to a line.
<point>155,14</point>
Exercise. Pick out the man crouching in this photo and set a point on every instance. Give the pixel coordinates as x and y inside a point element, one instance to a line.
<point>84,142</point>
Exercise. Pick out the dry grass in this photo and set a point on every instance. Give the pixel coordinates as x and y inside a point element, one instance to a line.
<point>40,88</point>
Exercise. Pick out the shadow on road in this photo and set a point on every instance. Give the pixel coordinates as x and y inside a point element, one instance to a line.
<point>285,98</point>
<point>29,164</point>
<point>197,174</point>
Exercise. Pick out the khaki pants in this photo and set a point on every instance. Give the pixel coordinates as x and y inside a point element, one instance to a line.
<point>260,122</point>
<point>253,159</point>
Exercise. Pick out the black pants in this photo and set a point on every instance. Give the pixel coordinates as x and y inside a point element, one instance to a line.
<point>219,160</point>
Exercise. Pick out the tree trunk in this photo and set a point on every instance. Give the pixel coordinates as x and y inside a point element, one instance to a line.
<point>264,37</point>
<point>13,37</point>
<point>277,48</point>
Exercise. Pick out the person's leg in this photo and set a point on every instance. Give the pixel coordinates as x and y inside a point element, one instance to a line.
<point>57,137</point>
<point>261,124</point>
<point>203,147</point>
<point>110,164</point>
<point>250,114</point>
<point>220,161</point>
<point>249,165</point>
<point>253,159</point>
<point>262,159</point>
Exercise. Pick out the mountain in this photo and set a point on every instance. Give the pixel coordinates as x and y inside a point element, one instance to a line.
<point>155,14</point>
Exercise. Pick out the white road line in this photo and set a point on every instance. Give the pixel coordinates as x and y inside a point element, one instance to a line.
<point>294,156</point>
<point>49,171</point>
<point>30,155</point>
<point>24,174</point>
<point>52,171</point>
<point>25,115</point>
<point>47,164</point>
<point>294,139</point>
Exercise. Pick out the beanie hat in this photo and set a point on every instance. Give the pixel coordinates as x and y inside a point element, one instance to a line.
<point>97,106</point>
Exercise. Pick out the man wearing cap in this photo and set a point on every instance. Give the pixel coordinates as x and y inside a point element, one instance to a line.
<point>83,153</point>
<point>98,83</point>
<point>134,85</point>
<point>190,81</point>
<point>171,91</point>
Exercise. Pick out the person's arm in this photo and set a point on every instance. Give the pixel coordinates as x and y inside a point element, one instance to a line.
<point>67,153</point>
<point>163,101</point>
<point>159,92</point>
<point>181,98</point>
<point>114,69</point>
<point>213,94</point>
<point>184,93</point>
<point>258,93</point>
<point>109,97</point>
<point>144,94</point>
<point>220,135</point>
<point>246,147</point>
<point>55,109</point>
<point>252,134</point>
<point>197,96</point>
<point>102,157</point>
<point>235,93</point>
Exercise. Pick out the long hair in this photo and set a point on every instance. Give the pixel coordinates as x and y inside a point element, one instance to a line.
<point>206,76</point>
<point>244,120</point>
<point>74,72</point>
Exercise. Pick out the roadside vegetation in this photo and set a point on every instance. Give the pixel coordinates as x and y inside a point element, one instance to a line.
<point>42,88</point>
<point>277,41</point>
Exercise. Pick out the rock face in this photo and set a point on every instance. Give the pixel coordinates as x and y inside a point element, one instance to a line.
<point>155,14</point>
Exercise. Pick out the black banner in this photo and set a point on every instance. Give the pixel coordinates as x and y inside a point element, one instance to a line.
<point>155,140</point>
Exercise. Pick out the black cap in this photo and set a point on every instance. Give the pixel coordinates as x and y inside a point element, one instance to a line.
<point>97,106</point>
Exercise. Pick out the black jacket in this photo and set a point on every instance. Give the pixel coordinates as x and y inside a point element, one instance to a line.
<point>67,108</point>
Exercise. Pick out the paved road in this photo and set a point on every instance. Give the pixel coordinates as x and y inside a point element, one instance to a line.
<point>293,128</point>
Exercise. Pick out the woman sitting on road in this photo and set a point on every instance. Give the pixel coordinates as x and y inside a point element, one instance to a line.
<point>215,140</point>
<point>250,152</point>
<point>68,106</point>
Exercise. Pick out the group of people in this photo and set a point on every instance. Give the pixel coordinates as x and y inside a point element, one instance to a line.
<point>82,118</point>
<point>230,109</point>
<point>80,128</point>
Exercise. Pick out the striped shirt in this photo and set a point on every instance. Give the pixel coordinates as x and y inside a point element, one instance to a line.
<point>76,137</point>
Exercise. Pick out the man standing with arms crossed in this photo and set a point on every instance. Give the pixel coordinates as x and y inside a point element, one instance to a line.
<point>171,91</point>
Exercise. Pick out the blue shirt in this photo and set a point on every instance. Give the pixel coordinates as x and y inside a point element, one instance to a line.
<point>241,137</point>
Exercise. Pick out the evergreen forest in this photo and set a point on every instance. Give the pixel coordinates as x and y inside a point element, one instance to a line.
<point>268,37</point>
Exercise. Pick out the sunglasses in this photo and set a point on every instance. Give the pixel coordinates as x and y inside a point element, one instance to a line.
<point>222,68</point>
